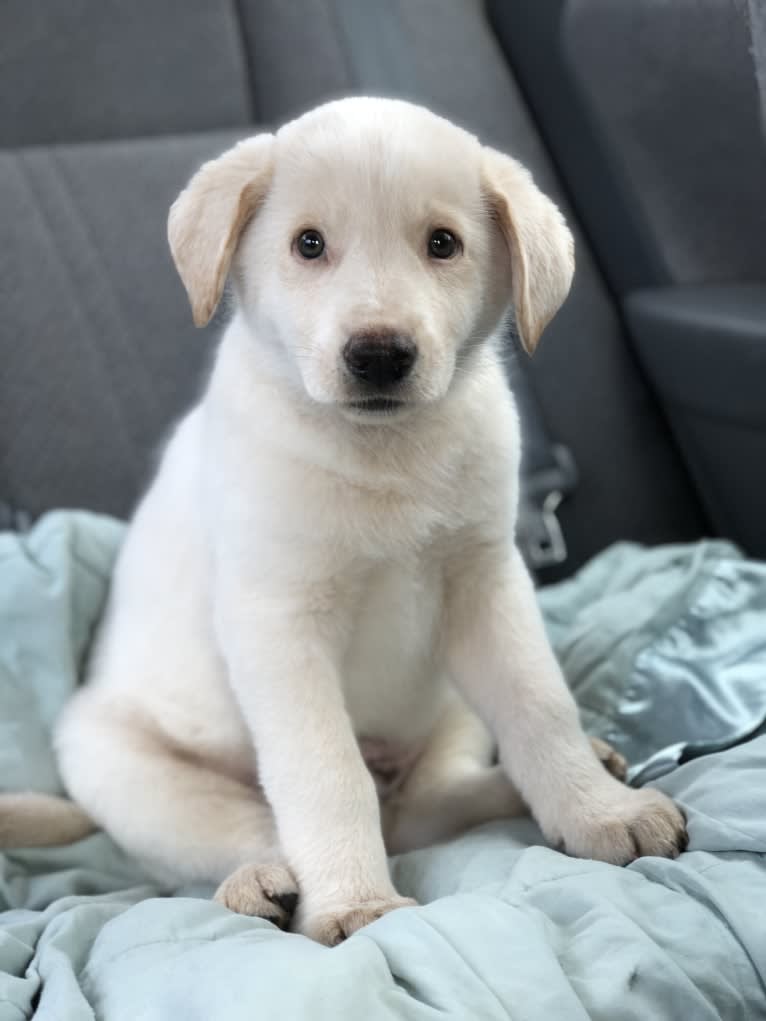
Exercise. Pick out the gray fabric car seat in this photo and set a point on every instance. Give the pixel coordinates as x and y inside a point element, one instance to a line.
<point>106,107</point>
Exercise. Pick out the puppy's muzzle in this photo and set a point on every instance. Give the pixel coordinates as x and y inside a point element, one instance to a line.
<point>379,359</point>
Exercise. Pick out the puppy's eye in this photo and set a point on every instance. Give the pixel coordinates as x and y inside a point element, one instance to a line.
<point>310,244</point>
<point>443,244</point>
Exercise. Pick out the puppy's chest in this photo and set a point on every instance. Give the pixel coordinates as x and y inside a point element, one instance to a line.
<point>399,521</point>
<point>392,675</point>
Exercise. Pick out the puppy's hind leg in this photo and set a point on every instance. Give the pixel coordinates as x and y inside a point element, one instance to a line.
<point>610,758</point>
<point>452,786</point>
<point>181,819</point>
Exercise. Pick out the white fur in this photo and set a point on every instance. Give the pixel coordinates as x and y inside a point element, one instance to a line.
<point>302,575</point>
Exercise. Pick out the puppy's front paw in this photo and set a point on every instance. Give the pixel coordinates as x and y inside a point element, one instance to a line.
<point>265,891</point>
<point>638,823</point>
<point>334,926</point>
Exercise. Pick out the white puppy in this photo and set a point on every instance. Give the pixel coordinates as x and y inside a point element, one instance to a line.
<point>322,577</point>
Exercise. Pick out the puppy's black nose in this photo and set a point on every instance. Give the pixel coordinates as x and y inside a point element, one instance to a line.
<point>380,357</point>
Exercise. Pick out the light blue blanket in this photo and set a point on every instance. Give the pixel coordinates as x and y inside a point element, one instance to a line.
<point>653,642</point>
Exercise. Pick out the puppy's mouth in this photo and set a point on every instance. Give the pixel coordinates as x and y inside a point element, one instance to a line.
<point>376,405</point>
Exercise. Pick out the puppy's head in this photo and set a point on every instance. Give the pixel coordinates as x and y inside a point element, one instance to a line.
<point>373,247</point>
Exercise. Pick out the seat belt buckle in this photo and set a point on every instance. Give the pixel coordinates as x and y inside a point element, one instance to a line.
<point>540,536</point>
<point>545,544</point>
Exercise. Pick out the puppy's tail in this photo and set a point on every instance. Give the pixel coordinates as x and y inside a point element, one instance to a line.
<point>29,819</point>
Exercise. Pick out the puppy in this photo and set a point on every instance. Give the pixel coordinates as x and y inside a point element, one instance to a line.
<point>319,625</point>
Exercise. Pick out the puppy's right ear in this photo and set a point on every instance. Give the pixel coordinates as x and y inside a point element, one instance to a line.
<point>208,217</point>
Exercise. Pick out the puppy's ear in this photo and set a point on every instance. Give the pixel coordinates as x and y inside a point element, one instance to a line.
<point>541,247</point>
<point>208,217</point>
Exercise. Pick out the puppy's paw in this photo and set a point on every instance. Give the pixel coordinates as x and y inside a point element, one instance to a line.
<point>265,891</point>
<point>610,758</point>
<point>334,926</point>
<point>638,823</point>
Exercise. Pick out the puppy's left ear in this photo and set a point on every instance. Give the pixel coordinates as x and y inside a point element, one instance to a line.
<point>208,217</point>
<point>539,241</point>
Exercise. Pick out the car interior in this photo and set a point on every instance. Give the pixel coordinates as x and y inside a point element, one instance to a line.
<point>652,375</point>
<point>643,410</point>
